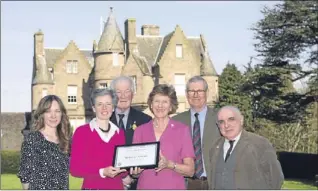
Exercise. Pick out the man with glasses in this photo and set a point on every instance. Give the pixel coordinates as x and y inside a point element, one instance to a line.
<point>240,159</point>
<point>125,116</point>
<point>202,122</point>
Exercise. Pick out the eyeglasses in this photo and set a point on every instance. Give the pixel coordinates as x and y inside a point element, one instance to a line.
<point>125,93</point>
<point>230,120</point>
<point>199,92</point>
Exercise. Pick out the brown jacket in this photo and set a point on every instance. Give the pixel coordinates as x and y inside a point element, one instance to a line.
<point>257,166</point>
<point>210,133</point>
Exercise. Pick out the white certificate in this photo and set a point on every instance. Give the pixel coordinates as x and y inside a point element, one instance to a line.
<point>143,155</point>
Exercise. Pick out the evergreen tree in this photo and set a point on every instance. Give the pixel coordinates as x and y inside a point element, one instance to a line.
<point>288,32</point>
<point>230,83</point>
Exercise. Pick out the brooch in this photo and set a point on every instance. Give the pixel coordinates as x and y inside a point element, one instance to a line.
<point>134,126</point>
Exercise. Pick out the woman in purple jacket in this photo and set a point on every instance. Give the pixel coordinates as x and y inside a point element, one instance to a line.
<point>176,148</point>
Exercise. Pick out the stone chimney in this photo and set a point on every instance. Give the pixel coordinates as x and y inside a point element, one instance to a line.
<point>150,30</point>
<point>130,35</point>
<point>39,43</point>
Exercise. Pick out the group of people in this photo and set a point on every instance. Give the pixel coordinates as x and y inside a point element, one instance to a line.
<point>202,148</point>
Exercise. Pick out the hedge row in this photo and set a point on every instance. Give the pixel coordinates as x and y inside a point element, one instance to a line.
<point>294,165</point>
<point>10,161</point>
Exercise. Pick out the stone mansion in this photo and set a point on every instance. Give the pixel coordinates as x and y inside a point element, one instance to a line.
<point>150,58</point>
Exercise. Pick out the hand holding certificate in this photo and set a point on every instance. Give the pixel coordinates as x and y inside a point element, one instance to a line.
<point>143,155</point>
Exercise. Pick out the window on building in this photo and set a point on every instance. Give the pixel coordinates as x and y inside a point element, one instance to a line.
<point>72,94</point>
<point>44,92</point>
<point>71,66</point>
<point>103,85</point>
<point>179,50</point>
<point>75,66</point>
<point>180,84</point>
<point>134,78</point>
<point>115,59</point>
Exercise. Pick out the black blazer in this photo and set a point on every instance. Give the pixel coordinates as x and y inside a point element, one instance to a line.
<point>134,116</point>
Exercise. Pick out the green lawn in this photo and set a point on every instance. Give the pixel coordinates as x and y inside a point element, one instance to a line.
<point>11,182</point>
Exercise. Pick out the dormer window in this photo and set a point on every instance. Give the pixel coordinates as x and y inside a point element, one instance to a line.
<point>179,51</point>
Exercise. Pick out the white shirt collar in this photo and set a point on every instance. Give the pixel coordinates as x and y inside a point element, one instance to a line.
<point>236,139</point>
<point>126,112</point>
<point>104,136</point>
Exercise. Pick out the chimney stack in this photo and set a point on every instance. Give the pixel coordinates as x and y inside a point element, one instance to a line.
<point>130,35</point>
<point>150,30</point>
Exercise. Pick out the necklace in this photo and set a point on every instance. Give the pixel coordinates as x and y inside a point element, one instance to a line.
<point>156,125</point>
<point>107,130</point>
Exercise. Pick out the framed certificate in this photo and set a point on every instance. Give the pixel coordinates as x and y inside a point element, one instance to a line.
<point>143,155</point>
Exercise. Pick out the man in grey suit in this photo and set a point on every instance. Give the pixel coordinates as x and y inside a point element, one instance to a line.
<point>202,122</point>
<point>240,159</point>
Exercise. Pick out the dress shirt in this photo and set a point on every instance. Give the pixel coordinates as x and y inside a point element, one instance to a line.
<point>201,118</point>
<point>227,145</point>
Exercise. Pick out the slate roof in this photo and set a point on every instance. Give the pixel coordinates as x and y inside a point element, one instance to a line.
<point>52,54</point>
<point>153,47</point>
<point>148,47</point>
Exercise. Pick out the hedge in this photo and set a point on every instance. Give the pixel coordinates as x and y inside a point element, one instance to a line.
<point>10,161</point>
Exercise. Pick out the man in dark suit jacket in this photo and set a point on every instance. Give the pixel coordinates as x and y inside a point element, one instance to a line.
<point>124,116</point>
<point>240,159</point>
<point>204,117</point>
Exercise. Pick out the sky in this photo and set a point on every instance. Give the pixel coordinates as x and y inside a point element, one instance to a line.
<point>224,24</point>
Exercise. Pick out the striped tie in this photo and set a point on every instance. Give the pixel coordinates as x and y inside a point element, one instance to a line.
<point>121,123</point>
<point>197,147</point>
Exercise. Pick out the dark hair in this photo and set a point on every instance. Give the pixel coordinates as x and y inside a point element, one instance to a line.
<point>64,132</point>
<point>166,90</point>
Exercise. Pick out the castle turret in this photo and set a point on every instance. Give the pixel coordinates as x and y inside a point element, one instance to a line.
<point>208,72</point>
<point>109,55</point>
<point>42,82</point>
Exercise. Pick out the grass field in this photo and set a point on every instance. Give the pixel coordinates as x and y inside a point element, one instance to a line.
<point>11,182</point>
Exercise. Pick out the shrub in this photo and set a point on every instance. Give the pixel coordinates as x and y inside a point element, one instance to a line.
<point>10,161</point>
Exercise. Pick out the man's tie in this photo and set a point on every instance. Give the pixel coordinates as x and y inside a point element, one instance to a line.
<point>228,153</point>
<point>121,122</point>
<point>197,147</point>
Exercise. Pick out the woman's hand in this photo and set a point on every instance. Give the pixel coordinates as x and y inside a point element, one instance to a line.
<point>163,163</point>
<point>112,171</point>
<point>136,171</point>
<point>127,181</point>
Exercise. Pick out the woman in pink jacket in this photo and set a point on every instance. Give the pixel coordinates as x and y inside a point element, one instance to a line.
<point>176,149</point>
<point>93,146</point>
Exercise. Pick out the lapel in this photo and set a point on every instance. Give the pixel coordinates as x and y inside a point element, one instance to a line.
<point>240,147</point>
<point>113,119</point>
<point>210,132</point>
<point>130,118</point>
<point>215,152</point>
<point>187,120</point>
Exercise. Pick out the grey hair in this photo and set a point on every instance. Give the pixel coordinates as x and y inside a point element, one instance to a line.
<point>197,79</point>
<point>104,91</point>
<point>123,78</point>
<point>232,108</point>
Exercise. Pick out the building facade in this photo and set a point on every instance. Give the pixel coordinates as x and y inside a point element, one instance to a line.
<point>149,58</point>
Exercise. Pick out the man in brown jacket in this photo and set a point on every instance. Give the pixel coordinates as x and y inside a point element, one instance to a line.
<point>240,159</point>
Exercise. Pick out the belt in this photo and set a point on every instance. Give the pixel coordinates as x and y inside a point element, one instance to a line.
<point>202,178</point>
